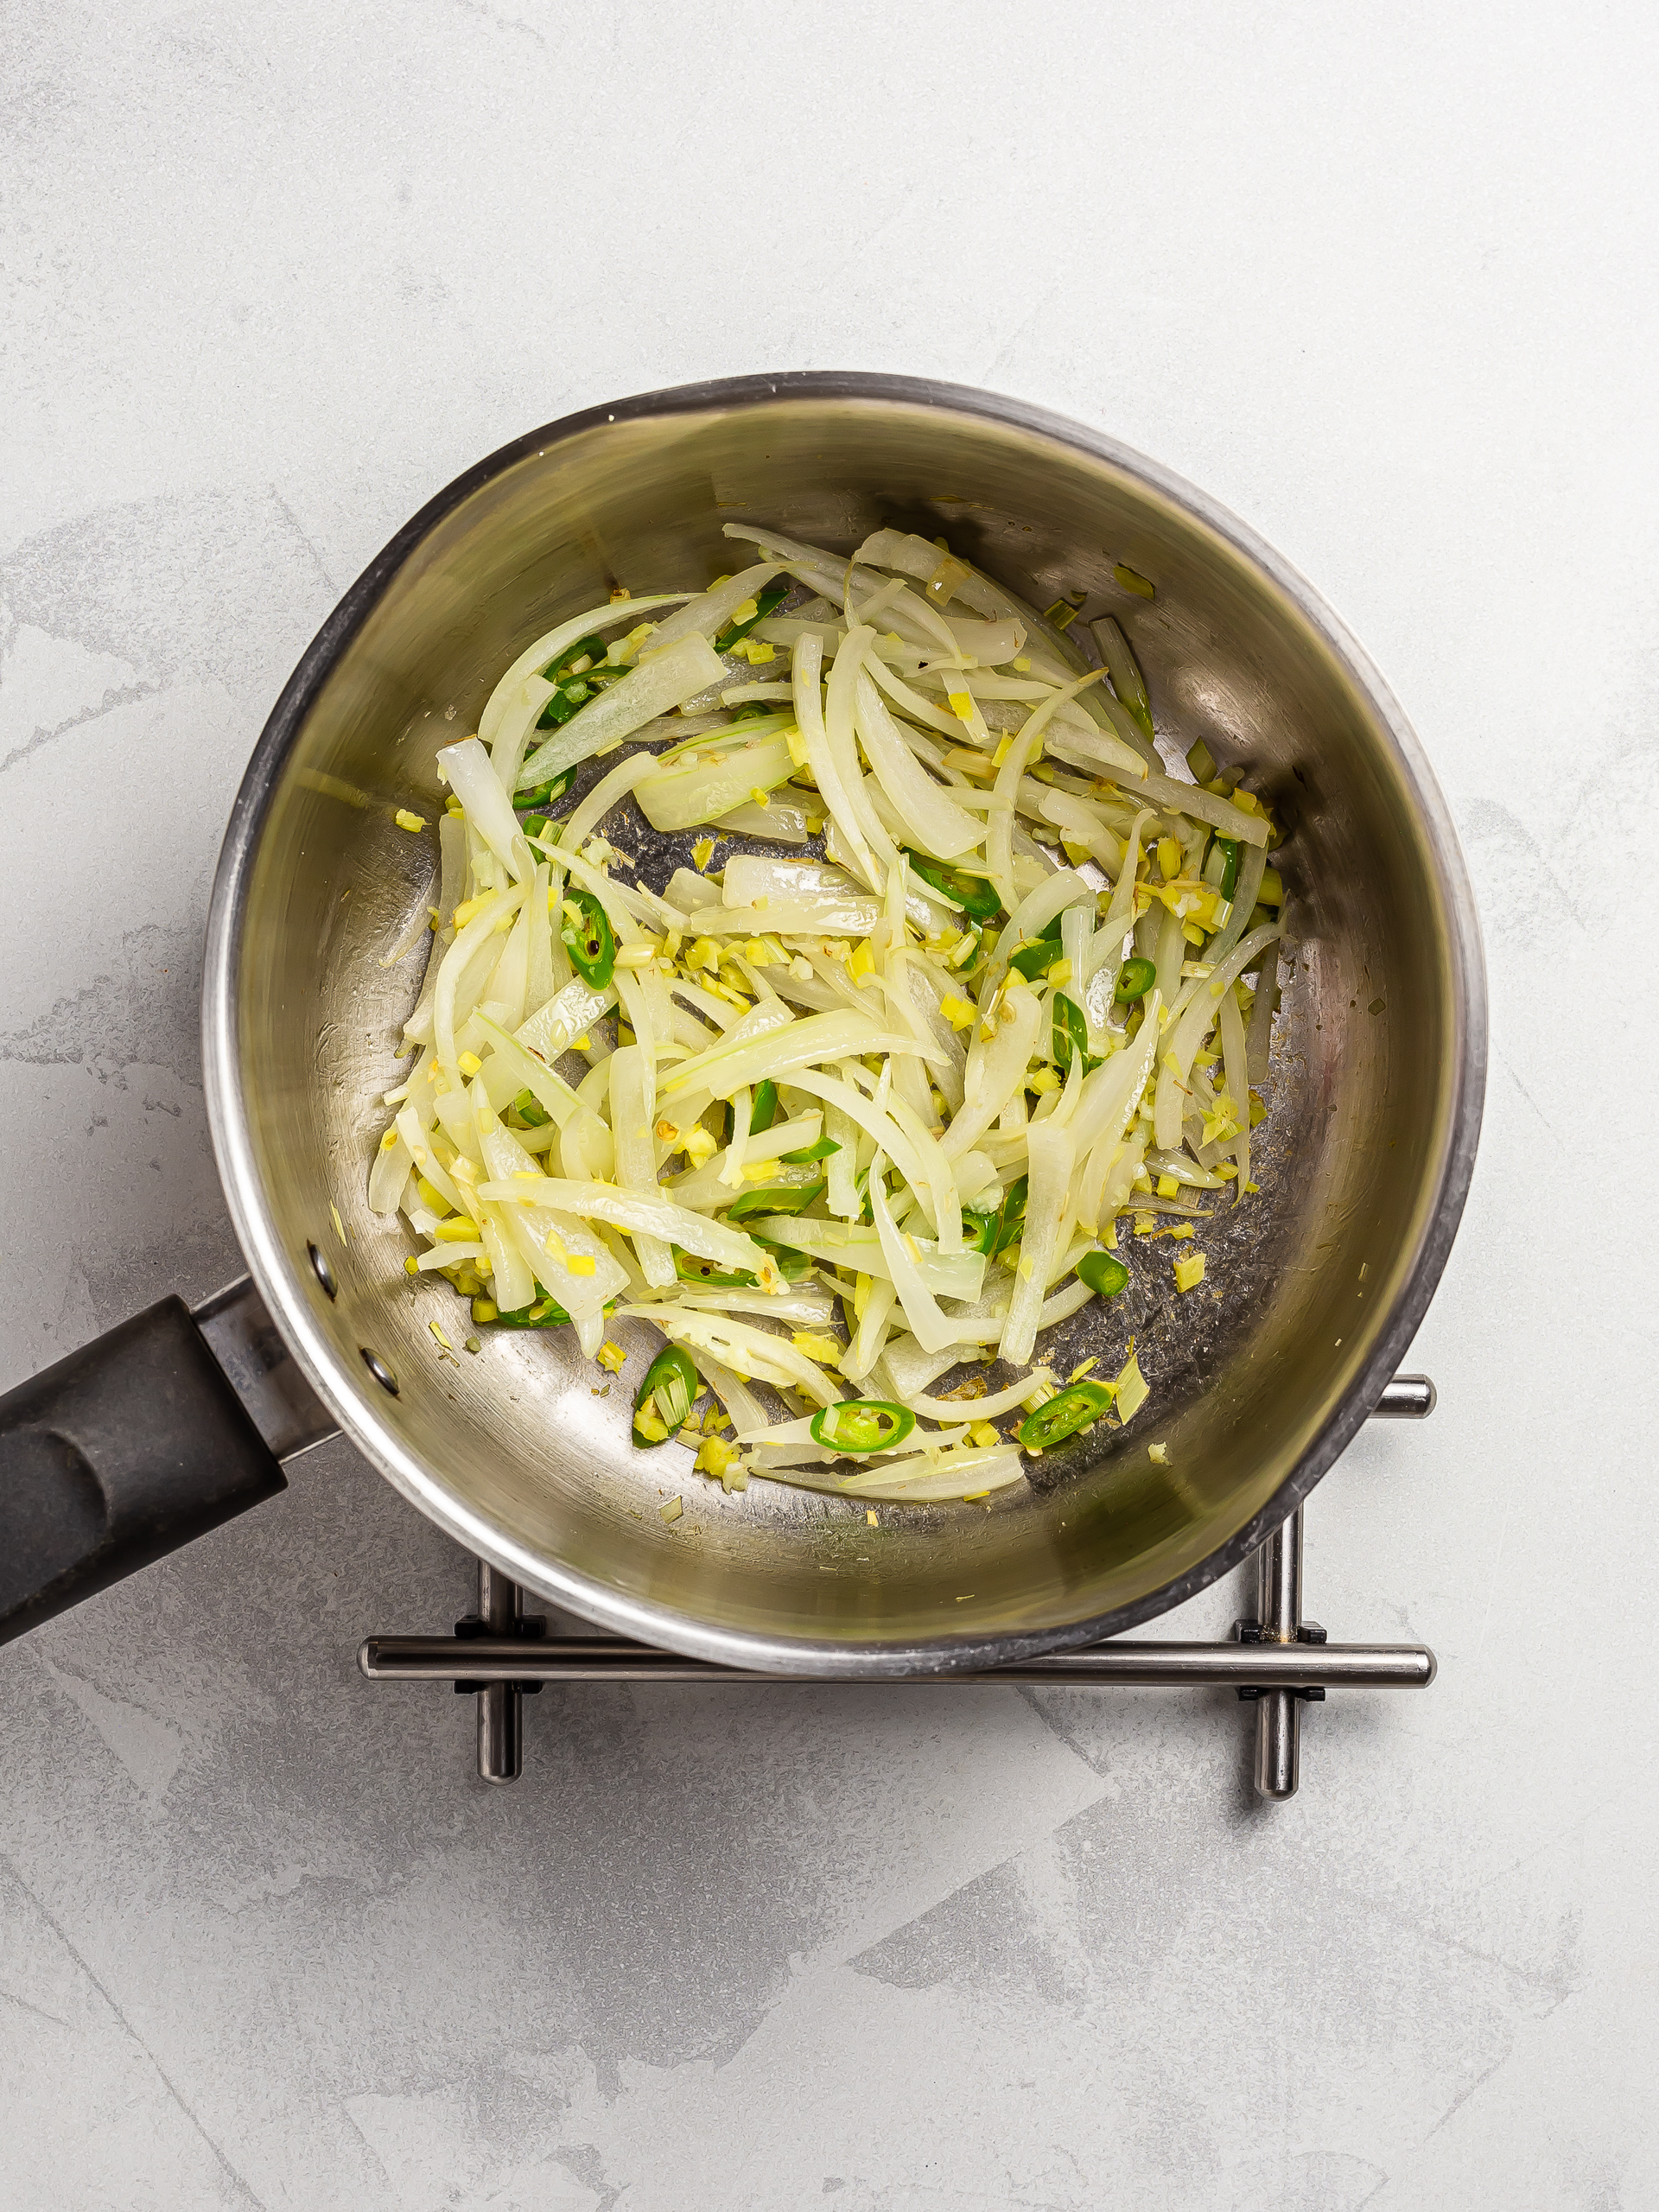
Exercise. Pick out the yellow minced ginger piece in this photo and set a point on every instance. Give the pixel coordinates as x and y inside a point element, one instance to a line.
<point>714,1457</point>
<point>1130,1391</point>
<point>816,1345</point>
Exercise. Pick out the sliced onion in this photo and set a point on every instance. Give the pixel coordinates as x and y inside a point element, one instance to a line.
<point>677,672</point>
<point>749,1352</point>
<point>638,1212</point>
<point>1052,1156</point>
<point>937,823</point>
<point>710,612</point>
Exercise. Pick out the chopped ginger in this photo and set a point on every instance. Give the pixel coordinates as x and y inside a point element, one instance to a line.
<point>1131,1389</point>
<point>714,1457</point>
<point>816,1345</point>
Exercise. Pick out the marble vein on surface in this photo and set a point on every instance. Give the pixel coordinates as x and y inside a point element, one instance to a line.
<point>1379,281</point>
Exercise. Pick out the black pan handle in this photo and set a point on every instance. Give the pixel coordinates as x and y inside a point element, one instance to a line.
<point>139,1442</point>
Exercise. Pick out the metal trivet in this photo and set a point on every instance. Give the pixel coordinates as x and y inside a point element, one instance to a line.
<point>1278,1662</point>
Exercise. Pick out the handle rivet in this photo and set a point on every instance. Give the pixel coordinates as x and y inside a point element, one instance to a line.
<point>377,1367</point>
<point>324,1273</point>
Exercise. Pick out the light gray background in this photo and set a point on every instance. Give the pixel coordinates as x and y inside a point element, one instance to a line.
<point>1382,280</point>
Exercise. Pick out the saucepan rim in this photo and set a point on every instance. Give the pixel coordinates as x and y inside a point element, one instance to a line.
<point>277,1271</point>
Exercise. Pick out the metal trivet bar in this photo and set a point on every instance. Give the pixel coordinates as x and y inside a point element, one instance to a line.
<point>1278,1662</point>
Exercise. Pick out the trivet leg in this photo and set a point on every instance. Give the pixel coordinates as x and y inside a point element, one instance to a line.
<point>500,1705</point>
<point>1279,1609</point>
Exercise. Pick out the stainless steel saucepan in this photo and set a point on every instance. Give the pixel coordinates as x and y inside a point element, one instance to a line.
<point>1314,1287</point>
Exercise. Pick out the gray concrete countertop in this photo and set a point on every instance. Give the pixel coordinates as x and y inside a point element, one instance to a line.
<point>1382,281</point>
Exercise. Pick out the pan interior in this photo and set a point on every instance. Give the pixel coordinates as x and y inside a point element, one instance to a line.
<point>522,1450</point>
